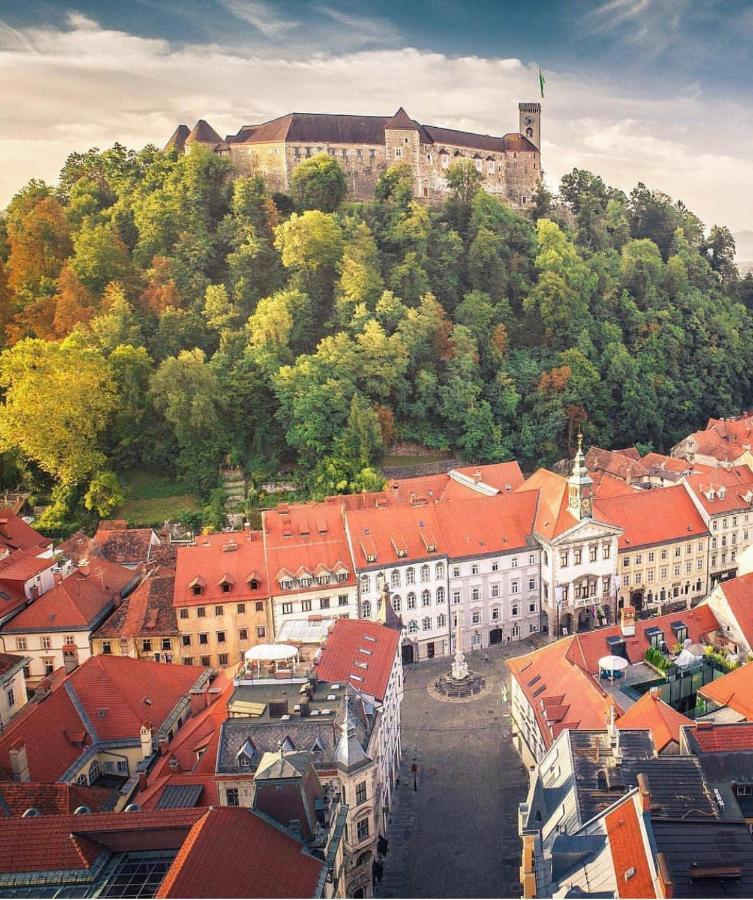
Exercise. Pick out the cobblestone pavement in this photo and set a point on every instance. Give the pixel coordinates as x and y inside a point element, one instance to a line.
<point>456,835</point>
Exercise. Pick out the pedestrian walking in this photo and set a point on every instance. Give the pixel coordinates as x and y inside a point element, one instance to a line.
<point>486,658</point>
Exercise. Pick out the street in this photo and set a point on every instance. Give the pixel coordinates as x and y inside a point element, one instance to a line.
<point>456,835</point>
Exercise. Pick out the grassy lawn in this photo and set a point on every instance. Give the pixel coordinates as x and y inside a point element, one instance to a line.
<point>152,497</point>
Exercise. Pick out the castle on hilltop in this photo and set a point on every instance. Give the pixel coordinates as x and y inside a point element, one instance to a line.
<point>365,146</point>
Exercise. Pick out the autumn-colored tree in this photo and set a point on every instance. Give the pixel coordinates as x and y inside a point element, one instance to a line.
<point>161,290</point>
<point>74,304</point>
<point>40,241</point>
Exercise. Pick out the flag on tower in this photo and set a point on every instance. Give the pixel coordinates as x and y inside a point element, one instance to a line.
<point>542,82</point>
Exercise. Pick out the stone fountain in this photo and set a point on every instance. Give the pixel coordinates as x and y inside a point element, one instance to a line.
<point>460,682</point>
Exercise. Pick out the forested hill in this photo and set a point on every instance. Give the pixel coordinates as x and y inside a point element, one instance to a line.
<point>158,311</point>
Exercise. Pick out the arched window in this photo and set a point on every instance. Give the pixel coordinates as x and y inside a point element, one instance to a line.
<point>365,584</point>
<point>396,602</point>
<point>425,598</point>
<point>413,626</point>
<point>439,570</point>
<point>81,779</point>
<point>410,576</point>
<point>440,595</point>
<point>366,609</point>
<point>425,573</point>
<point>395,578</point>
<point>411,600</point>
<point>93,772</point>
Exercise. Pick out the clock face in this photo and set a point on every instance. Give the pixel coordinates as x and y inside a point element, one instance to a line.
<point>528,120</point>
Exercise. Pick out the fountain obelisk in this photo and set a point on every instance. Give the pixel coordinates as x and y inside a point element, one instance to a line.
<point>459,665</point>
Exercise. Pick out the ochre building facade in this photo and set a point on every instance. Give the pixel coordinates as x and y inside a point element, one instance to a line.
<point>365,146</point>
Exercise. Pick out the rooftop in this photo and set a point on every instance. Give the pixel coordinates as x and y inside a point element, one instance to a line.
<point>359,653</point>
<point>225,567</point>
<point>148,610</point>
<point>663,722</point>
<point>119,544</point>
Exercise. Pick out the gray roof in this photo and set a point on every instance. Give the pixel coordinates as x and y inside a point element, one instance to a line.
<point>706,858</point>
<point>676,784</point>
<point>179,795</point>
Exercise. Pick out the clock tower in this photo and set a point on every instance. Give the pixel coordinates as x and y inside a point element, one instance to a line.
<point>530,122</point>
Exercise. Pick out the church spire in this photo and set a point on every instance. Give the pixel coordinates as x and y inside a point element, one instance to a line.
<point>579,485</point>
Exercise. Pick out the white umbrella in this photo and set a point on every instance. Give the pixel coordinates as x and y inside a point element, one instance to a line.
<point>613,663</point>
<point>269,652</point>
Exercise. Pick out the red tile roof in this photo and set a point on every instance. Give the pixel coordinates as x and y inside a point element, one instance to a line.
<point>395,534</point>
<point>739,595</point>
<point>230,852</point>
<point>15,534</point>
<point>715,737</point>
<point>624,465</point>
<point>652,517</point>
<point>658,461</point>
<point>628,849</point>
<point>9,661</point>
<point>650,712</point>
<point>78,601</point>
<point>306,536</point>
<point>606,486</point>
<point>561,694</point>
<point>723,490</point>
<point>119,544</point>
<point>147,611</point>
<point>113,691</point>
<point>238,554</point>
<point>361,654</point>
<point>733,690</point>
<point>52,799</point>
<point>497,524</point>
<point>54,843</point>
<point>21,565</point>
<point>552,515</point>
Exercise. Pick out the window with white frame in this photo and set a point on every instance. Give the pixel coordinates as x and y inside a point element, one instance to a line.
<point>456,596</point>
<point>365,584</point>
<point>426,623</point>
<point>410,576</point>
<point>395,578</point>
<point>425,573</point>
<point>411,600</point>
<point>439,570</point>
<point>475,617</point>
<point>440,595</point>
<point>425,598</point>
<point>366,609</point>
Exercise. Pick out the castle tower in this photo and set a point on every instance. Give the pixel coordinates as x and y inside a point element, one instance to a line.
<point>530,122</point>
<point>579,485</point>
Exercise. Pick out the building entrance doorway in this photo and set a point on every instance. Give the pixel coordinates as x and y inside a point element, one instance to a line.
<point>430,649</point>
<point>495,636</point>
<point>409,654</point>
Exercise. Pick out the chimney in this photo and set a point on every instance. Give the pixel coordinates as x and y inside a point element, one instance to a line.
<point>303,712</point>
<point>654,692</point>
<point>19,763</point>
<point>627,621</point>
<point>198,701</point>
<point>294,827</point>
<point>644,791</point>
<point>162,745</point>
<point>146,741</point>
<point>143,782</point>
<point>666,885</point>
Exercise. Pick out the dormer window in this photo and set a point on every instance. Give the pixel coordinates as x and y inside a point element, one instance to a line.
<point>245,756</point>
<point>286,584</point>
<point>342,576</point>
<point>196,590</point>
<point>243,761</point>
<point>287,745</point>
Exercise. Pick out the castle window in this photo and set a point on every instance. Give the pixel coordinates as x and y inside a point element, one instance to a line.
<point>477,163</point>
<point>426,192</point>
<point>406,140</point>
<point>398,152</point>
<point>372,154</point>
<point>308,151</point>
<point>331,151</point>
<point>428,157</point>
<point>490,168</point>
<point>359,153</point>
<point>297,152</point>
<point>344,152</point>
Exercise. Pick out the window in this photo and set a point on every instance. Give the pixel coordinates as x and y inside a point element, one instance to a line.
<point>305,606</point>
<point>445,160</point>
<point>456,596</point>
<point>688,567</point>
<point>205,661</point>
<point>243,634</point>
<point>261,631</point>
<point>240,608</point>
<point>360,793</point>
<point>196,590</point>
<point>203,638</point>
<point>365,584</point>
<point>625,580</point>
<point>650,575</point>
<point>411,600</point>
<point>531,559</point>
<point>514,562</point>
<point>187,660</point>
<point>412,626</point>
<point>663,572</point>
<point>222,659</point>
<point>474,569</point>
<point>425,598</point>
<point>476,617</point>
<point>495,613</point>
<point>232,796</point>
<point>260,606</point>
<point>677,569</point>
<point>146,646</point>
<point>395,578</point>
<point>664,554</point>
<point>515,609</point>
<point>531,584</point>
<point>287,608</point>
<point>605,550</point>
<point>439,570</point>
<point>425,573</point>
<point>490,167</point>
<point>441,620</point>
<point>362,829</point>
<point>592,550</point>
<point>396,603</point>
<point>342,599</point>
<point>184,613</point>
<point>532,606</point>
<point>366,609</point>
<point>638,577</point>
<point>11,697</point>
<point>514,586</point>
<point>564,558</point>
<point>410,576</point>
<point>577,557</point>
<point>106,647</point>
<point>220,637</point>
<point>324,603</point>
<point>426,623</point>
<point>225,590</point>
<point>440,595</point>
<point>475,594</point>
<point>495,566</point>
<point>20,643</point>
<point>398,152</point>
<point>200,612</point>
<point>46,643</point>
<point>625,562</point>
<point>456,571</point>
<point>186,640</point>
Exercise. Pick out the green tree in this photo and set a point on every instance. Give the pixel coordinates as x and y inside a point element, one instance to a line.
<point>319,183</point>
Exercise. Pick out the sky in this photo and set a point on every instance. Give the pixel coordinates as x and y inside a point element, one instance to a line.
<point>658,91</point>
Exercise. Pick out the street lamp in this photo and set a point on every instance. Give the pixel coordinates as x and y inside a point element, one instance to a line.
<point>414,770</point>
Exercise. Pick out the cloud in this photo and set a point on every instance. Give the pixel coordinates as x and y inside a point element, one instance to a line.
<point>261,16</point>
<point>69,88</point>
